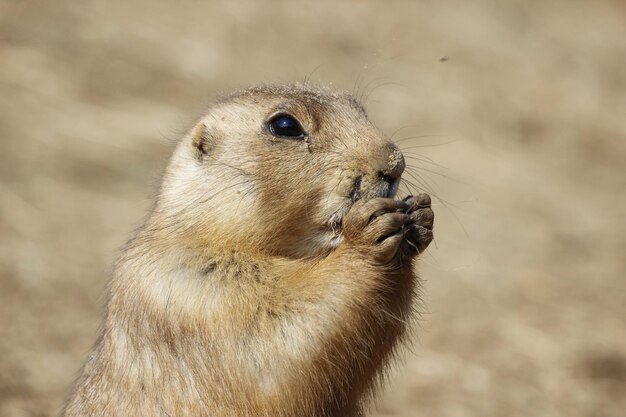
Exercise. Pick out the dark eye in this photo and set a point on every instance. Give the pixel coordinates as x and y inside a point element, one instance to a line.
<point>284,125</point>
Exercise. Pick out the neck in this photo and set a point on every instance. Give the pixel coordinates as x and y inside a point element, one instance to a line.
<point>226,333</point>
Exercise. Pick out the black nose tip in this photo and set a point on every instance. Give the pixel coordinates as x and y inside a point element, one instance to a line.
<point>390,168</point>
<point>392,163</point>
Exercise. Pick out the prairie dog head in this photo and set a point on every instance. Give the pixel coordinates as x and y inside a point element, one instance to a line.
<point>275,169</point>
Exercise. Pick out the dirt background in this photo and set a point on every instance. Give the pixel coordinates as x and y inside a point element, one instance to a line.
<point>513,114</point>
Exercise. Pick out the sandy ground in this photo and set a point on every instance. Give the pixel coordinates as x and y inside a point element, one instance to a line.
<point>513,114</point>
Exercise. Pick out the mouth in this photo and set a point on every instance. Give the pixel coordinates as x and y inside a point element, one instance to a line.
<point>393,188</point>
<point>386,188</point>
<point>355,191</point>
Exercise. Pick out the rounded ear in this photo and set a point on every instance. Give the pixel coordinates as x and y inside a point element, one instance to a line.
<point>202,141</point>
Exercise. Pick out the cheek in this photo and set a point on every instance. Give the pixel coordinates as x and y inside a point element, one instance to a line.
<point>298,186</point>
<point>331,204</point>
<point>344,182</point>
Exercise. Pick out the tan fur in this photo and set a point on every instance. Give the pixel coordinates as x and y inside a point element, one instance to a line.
<point>272,278</point>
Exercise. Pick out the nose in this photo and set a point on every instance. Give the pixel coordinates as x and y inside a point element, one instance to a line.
<point>391,164</point>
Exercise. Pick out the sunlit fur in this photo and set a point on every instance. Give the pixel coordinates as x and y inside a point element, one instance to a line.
<point>241,295</point>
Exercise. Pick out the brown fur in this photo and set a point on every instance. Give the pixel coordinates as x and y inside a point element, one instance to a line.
<point>272,278</point>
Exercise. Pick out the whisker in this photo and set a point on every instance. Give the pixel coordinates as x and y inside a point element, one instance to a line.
<point>400,129</point>
<point>307,78</point>
<point>448,177</point>
<point>426,186</point>
<point>431,145</point>
<point>420,180</point>
<point>382,85</point>
<point>430,135</point>
<point>423,158</point>
<point>367,86</point>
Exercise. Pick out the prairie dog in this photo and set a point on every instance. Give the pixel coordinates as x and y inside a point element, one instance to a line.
<point>274,275</point>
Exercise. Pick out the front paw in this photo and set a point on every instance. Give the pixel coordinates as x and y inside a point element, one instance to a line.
<point>378,227</point>
<point>422,217</point>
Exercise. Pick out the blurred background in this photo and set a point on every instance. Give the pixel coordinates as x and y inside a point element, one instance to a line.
<point>511,114</point>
